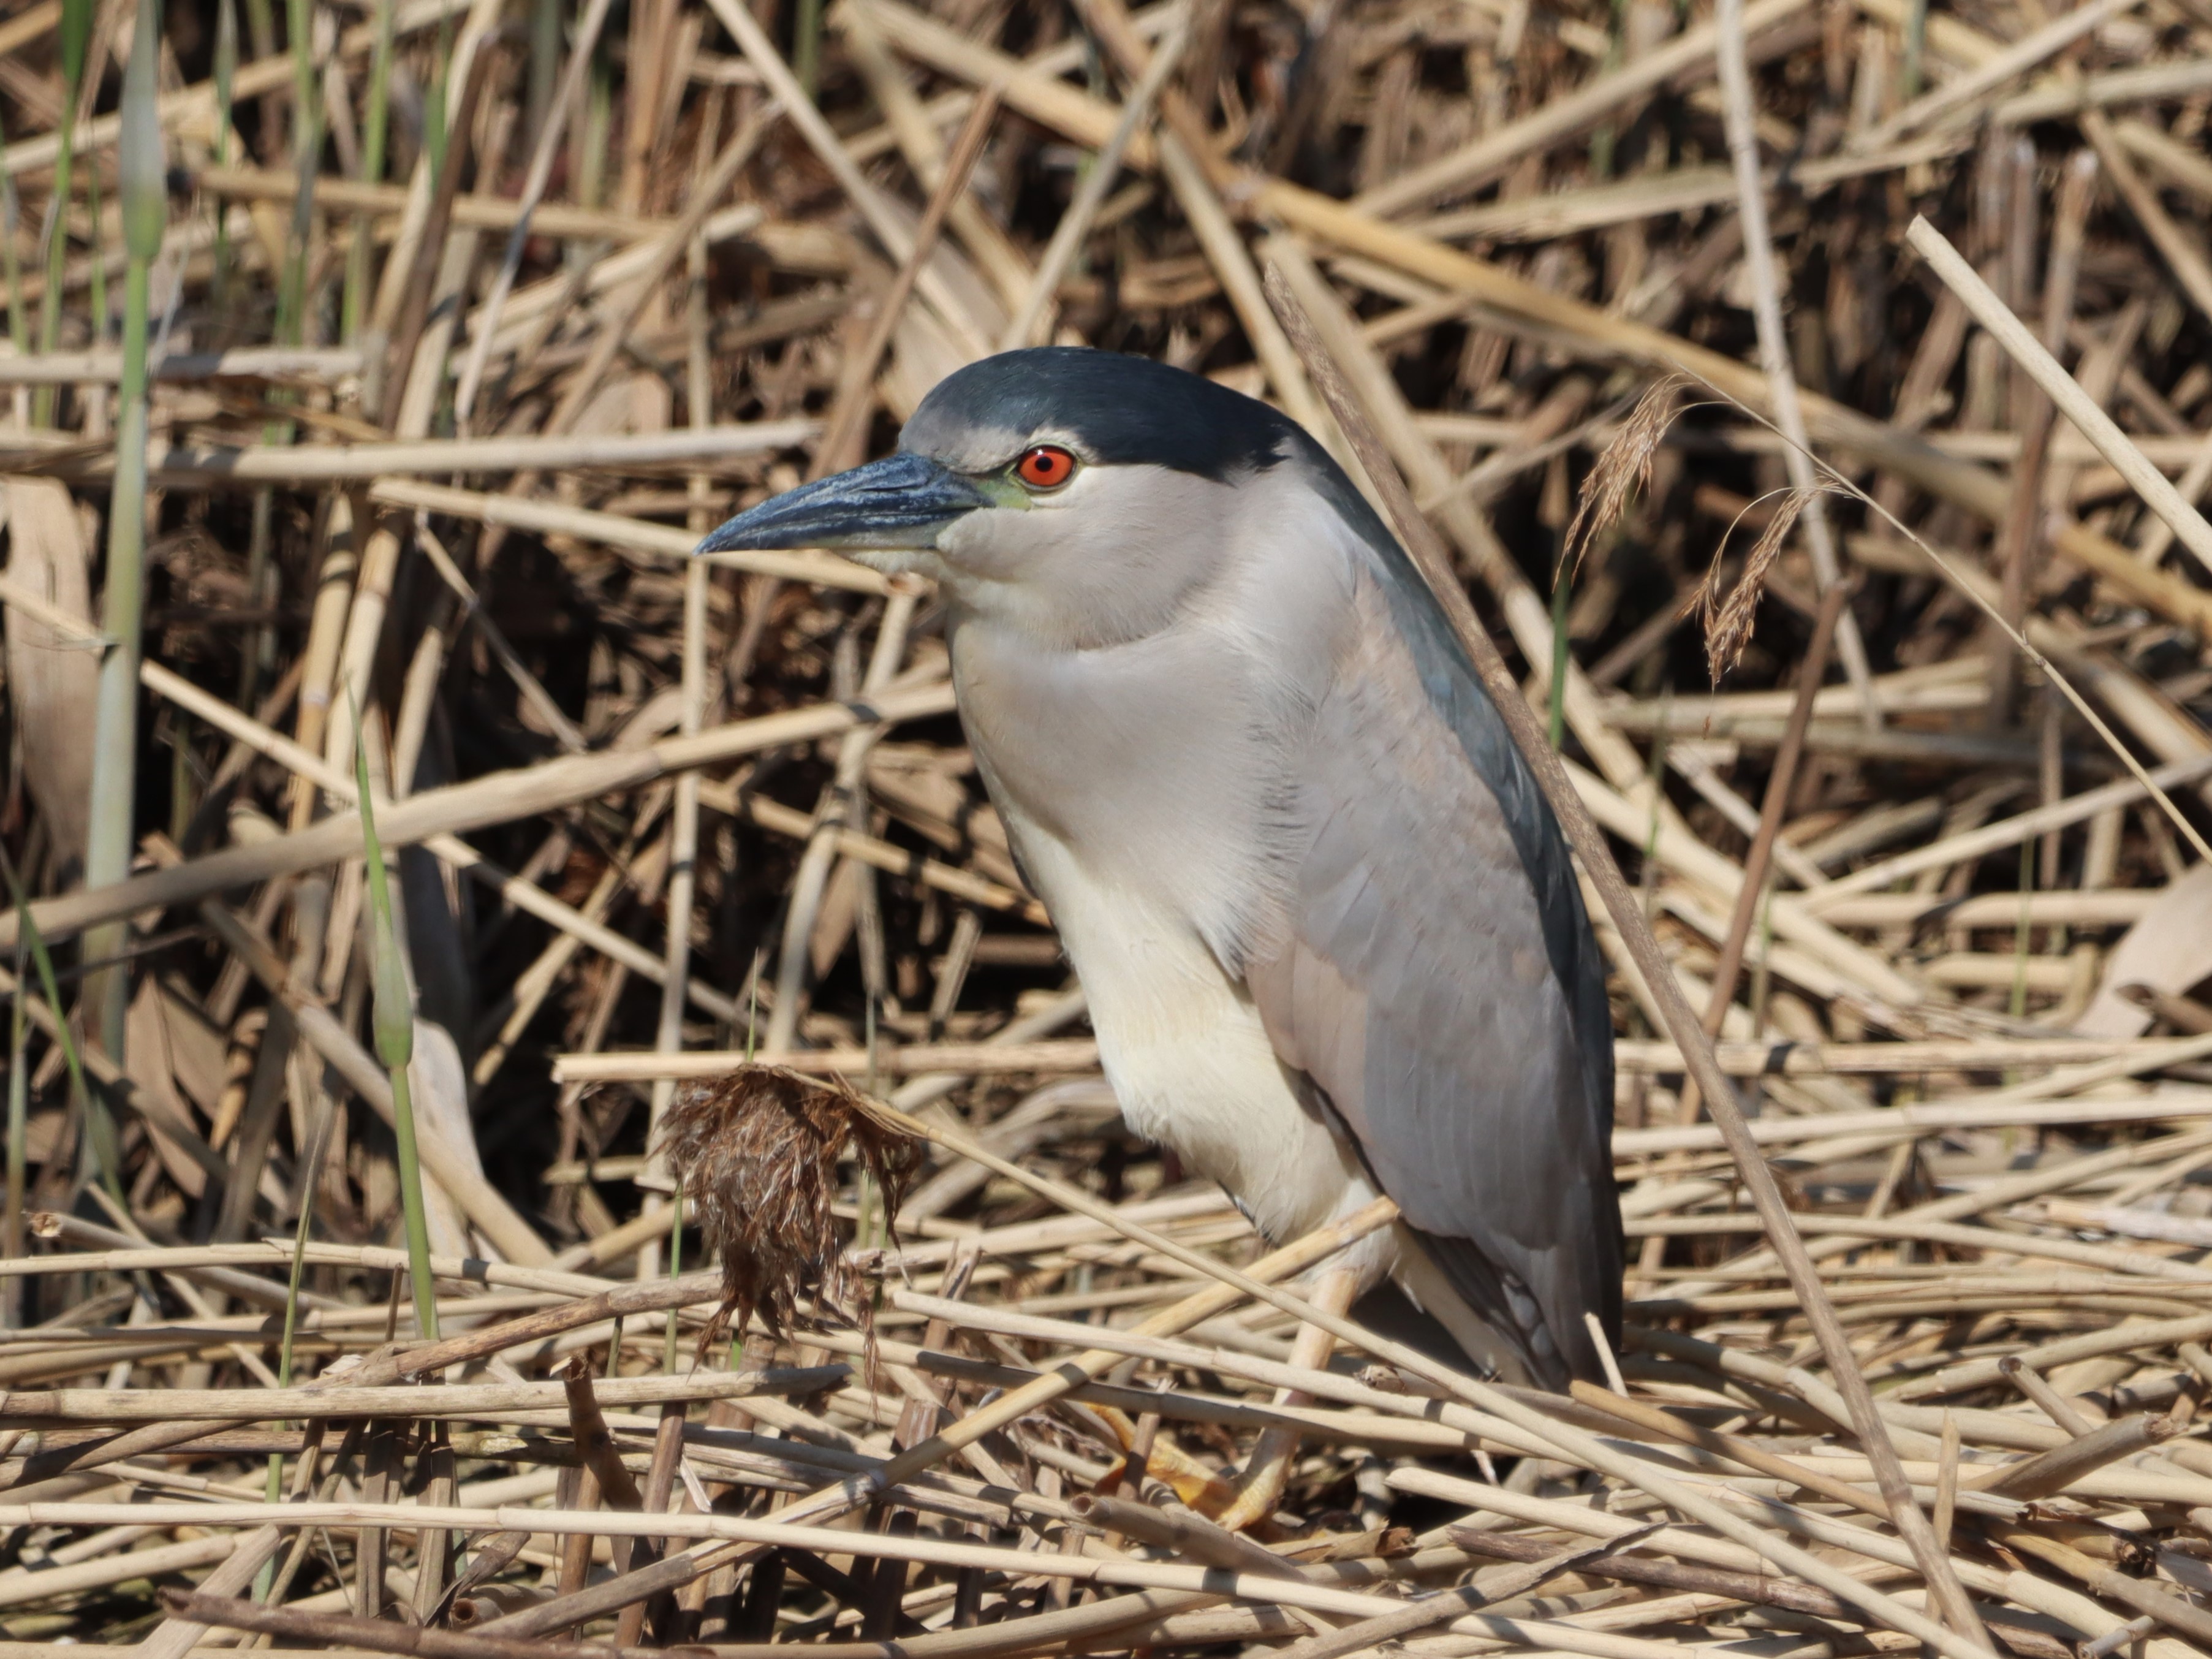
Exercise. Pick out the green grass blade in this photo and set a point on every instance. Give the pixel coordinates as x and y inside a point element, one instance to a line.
<point>375,124</point>
<point>96,273</point>
<point>310,1165</point>
<point>99,1126</point>
<point>74,41</point>
<point>394,1022</point>
<point>141,169</point>
<point>11,213</point>
<point>226,76</point>
<point>806,45</point>
<point>307,152</point>
<point>1562,599</point>
<point>19,1131</point>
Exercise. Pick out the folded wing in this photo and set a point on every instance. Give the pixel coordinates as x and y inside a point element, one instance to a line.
<point>1433,974</point>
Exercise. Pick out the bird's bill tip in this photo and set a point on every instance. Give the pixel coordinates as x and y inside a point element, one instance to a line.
<point>901,502</point>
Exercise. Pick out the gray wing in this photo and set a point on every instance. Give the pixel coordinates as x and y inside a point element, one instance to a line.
<point>1434,975</point>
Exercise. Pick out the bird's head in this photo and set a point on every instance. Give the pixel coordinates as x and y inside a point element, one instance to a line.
<point>1084,491</point>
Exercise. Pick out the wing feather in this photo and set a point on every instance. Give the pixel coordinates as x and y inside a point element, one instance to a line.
<point>1433,974</point>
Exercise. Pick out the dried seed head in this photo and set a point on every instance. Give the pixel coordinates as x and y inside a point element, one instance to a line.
<point>758,1150</point>
<point>1729,621</point>
<point>1622,469</point>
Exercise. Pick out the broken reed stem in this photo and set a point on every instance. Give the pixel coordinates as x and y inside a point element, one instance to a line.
<point>307,145</point>
<point>1629,920</point>
<point>2019,537</point>
<point>311,1167</point>
<point>1563,581</point>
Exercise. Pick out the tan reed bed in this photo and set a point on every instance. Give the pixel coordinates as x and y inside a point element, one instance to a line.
<point>1861,350</point>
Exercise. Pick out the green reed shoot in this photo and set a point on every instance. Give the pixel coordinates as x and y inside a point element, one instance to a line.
<point>306,149</point>
<point>96,272</point>
<point>806,45</point>
<point>100,1137</point>
<point>140,173</point>
<point>375,124</point>
<point>75,40</point>
<point>310,1167</point>
<point>19,1128</point>
<point>434,103</point>
<point>394,1022</point>
<point>1563,583</point>
<point>18,328</point>
<point>226,77</point>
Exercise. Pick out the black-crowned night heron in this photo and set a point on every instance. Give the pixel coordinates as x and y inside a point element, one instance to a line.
<point>1330,935</point>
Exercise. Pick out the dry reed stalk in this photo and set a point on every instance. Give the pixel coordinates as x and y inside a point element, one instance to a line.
<point>613,530</point>
<point>836,449</point>
<point>1072,1055</point>
<point>1031,317</point>
<point>306,464</point>
<point>244,362</point>
<point>130,1405</point>
<point>2181,517</point>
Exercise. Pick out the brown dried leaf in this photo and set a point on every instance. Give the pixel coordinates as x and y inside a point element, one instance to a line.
<point>53,681</point>
<point>1623,468</point>
<point>757,1152</point>
<point>1729,621</point>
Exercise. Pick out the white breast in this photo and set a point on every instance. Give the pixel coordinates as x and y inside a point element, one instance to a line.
<point>1140,780</point>
<point>1188,1057</point>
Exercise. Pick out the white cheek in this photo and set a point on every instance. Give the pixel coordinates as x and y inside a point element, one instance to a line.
<point>1108,558</point>
<point>989,545</point>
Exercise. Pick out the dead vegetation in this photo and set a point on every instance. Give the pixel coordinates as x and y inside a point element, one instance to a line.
<point>434,413</point>
<point>758,1154</point>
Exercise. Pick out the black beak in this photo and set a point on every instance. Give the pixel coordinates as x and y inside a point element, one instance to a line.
<point>900,502</point>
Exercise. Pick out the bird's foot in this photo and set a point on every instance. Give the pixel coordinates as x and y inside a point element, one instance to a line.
<point>1269,1470</point>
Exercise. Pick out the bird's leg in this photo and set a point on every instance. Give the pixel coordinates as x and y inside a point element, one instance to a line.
<point>1269,1470</point>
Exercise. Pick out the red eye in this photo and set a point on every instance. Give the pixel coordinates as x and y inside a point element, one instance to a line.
<point>1046,467</point>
